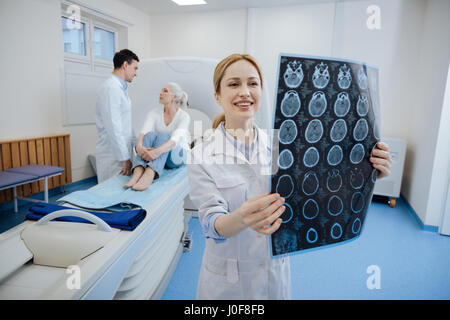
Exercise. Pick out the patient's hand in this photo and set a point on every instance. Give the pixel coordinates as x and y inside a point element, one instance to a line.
<point>140,150</point>
<point>150,154</point>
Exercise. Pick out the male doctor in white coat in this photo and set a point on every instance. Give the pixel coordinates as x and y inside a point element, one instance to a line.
<point>113,118</point>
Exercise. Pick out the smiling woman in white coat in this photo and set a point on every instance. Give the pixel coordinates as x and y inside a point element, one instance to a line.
<point>229,184</point>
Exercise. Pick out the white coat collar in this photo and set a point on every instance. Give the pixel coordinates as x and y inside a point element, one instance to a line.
<point>116,81</point>
<point>122,83</point>
<point>228,149</point>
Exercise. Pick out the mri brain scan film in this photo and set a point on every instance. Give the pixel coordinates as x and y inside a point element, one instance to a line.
<point>326,116</point>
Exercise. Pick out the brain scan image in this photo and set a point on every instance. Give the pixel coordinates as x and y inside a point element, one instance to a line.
<point>312,235</point>
<point>310,183</point>
<point>311,157</point>
<point>362,79</point>
<point>327,119</point>
<point>335,155</point>
<point>287,132</point>
<point>356,226</point>
<point>290,104</point>
<point>338,130</point>
<point>356,178</point>
<point>287,214</point>
<point>317,104</point>
<point>357,202</point>
<point>361,130</point>
<point>374,175</point>
<point>321,76</point>
<point>293,76</point>
<point>285,186</point>
<point>334,180</point>
<point>310,209</point>
<point>344,77</point>
<point>285,159</point>
<point>336,231</point>
<point>335,205</point>
<point>342,104</point>
<point>362,106</point>
<point>357,153</point>
<point>314,131</point>
<point>376,131</point>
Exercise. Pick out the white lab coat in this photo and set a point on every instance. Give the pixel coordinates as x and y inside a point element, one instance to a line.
<point>240,267</point>
<point>115,135</point>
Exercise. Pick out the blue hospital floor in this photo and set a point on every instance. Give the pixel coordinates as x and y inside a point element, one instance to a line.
<point>411,263</point>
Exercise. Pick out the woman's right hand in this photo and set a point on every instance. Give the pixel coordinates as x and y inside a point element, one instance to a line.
<point>262,213</point>
<point>150,154</point>
<point>146,153</point>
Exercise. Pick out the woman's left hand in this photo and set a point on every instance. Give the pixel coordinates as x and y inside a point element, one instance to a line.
<point>150,154</point>
<point>381,159</point>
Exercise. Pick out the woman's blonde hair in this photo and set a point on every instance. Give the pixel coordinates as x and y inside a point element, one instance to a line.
<point>182,97</point>
<point>219,72</point>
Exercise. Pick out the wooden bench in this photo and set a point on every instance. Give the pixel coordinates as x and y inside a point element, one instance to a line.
<point>14,177</point>
<point>47,151</point>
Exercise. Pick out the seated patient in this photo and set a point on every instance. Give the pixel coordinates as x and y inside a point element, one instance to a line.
<point>166,126</point>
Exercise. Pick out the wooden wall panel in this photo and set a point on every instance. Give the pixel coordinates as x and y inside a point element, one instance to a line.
<point>51,150</point>
<point>6,162</point>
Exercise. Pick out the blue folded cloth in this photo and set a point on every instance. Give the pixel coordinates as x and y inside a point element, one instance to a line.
<point>125,220</point>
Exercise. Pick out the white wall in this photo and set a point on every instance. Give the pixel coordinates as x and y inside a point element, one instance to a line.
<point>305,29</point>
<point>394,48</point>
<point>218,34</point>
<point>205,34</point>
<point>428,155</point>
<point>444,158</point>
<point>31,60</point>
<point>30,64</point>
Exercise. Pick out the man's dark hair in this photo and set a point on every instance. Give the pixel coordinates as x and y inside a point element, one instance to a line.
<point>122,56</point>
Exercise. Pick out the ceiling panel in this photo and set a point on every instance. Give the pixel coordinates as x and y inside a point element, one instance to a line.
<point>168,6</point>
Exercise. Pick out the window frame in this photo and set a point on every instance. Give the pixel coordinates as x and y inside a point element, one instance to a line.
<point>101,25</point>
<point>76,67</point>
<point>90,23</point>
<point>77,57</point>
